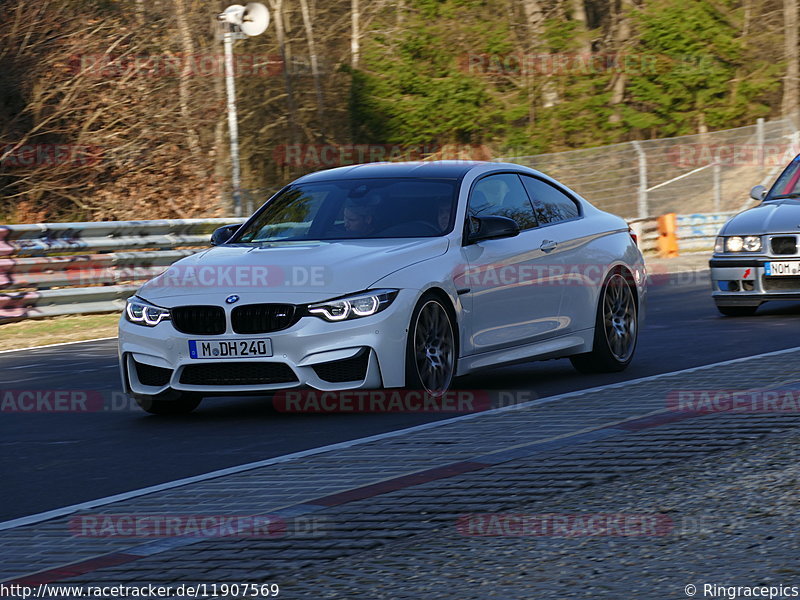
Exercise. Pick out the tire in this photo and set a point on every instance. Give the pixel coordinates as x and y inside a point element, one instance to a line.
<point>431,348</point>
<point>169,402</point>
<point>738,311</point>
<point>616,329</point>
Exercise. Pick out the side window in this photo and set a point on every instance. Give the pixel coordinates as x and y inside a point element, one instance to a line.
<point>550,205</point>
<point>789,180</point>
<point>502,195</point>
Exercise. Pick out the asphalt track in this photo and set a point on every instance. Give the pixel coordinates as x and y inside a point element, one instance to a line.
<point>53,459</point>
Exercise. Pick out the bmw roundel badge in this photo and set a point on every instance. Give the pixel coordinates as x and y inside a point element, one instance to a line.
<point>232,299</point>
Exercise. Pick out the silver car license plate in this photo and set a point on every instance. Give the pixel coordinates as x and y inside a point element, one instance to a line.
<point>251,348</point>
<point>784,268</point>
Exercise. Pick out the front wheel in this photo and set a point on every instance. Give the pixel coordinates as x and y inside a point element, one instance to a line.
<point>431,351</point>
<point>170,402</point>
<point>616,329</point>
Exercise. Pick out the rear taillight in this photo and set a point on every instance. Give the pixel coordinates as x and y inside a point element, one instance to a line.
<point>634,237</point>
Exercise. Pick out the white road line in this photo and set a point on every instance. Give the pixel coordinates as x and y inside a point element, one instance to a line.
<point>66,510</point>
<point>59,344</point>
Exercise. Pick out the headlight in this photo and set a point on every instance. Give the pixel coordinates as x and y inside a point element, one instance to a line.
<point>719,244</point>
<point>353,307</point>
<point>750,243</point>
<point>734,244</point>
<point>143,313</point>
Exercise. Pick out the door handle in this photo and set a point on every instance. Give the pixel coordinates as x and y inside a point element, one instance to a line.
<point>548,246</point>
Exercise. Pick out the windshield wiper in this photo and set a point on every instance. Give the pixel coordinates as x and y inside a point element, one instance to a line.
<point>786,196</point>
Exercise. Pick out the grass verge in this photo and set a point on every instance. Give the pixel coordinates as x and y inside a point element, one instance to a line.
<point>72,328</point>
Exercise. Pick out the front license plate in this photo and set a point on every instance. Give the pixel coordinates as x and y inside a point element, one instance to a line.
<point>253,348</point>
<point>785,268</point>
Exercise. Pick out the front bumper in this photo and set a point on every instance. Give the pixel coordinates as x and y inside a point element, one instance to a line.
<point>312,352</point>
<point>743,282</point>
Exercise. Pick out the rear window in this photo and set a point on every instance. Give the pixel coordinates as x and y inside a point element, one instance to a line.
<point>550,205</point>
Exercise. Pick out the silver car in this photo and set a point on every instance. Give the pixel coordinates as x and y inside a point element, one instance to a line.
<point>757,253</point>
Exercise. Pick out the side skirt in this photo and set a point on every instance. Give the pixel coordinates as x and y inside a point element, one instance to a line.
<point>575,343</point>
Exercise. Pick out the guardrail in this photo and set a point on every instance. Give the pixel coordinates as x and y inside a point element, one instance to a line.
<point>51,269</point>
<point>697,232</point>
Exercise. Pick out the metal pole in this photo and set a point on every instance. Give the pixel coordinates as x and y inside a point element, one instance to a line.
<point>760,144</point>
<point>233,124</point>
<point>643,208</point>
<point>717,187</point>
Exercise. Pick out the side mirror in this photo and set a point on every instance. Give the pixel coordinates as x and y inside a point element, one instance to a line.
<point>490,228</point>
<point>758,193</point>
<point>223,234</point>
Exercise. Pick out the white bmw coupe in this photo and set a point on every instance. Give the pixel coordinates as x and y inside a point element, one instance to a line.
<point>388,275</point>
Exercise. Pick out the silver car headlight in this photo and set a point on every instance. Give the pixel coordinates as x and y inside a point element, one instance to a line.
<point>353,307</point>
<point>752,243</point>
<point>143,313</point>
<point>736,243</point>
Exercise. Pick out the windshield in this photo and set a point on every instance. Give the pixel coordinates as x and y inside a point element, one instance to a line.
<point>788,184</point>
<point>355,209</point>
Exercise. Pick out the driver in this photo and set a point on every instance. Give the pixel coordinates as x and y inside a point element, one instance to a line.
<point>443,213</point>
<point>360,215</point>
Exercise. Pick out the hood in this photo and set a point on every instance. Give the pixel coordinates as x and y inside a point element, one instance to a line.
<point>291,271</point>
<point>780,216</point>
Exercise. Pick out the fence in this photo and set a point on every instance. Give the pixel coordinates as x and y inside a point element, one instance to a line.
<point>703,173</point>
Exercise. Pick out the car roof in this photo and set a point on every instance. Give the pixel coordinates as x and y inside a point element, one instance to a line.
<point>441,169</point>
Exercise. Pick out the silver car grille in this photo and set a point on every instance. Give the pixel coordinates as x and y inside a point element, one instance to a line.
<point>783,245</point>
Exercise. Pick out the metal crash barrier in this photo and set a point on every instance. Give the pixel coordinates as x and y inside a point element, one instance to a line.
<point>50,269</point>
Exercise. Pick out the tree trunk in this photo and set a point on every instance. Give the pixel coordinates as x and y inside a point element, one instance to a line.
<point>355,39</point>
<point>579,14</point>
<point>622,35</point>
<point>277,11</point>
<point>140,12</point>
<point>312,51</point>
<point>534,15</point>
<point>184,93</point>
<point>791,80</point>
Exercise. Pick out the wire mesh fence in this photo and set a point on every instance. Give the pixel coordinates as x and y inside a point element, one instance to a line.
<point>702,173</point>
